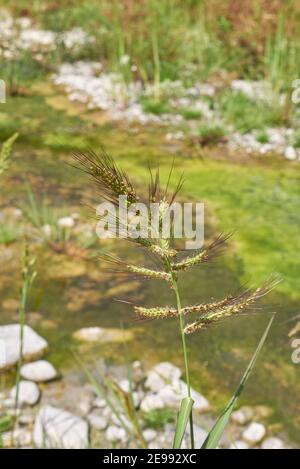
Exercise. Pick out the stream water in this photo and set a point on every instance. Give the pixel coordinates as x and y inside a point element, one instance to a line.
<point>69,294</point>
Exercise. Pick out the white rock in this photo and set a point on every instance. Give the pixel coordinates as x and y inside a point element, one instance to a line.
<point>199,435</point>
<point>154,445</point>
<point>19,437</point>
<point>26,419</point>
<point>272,443</point>
<point>201,403</point>
<point>290,153</point>
<point>137,371</point>
<point>66,222</point>
<point>47,230</point>
<point>169,396</point>
<point>89,334</point>
<point>99,403</point>
<point>172,394</point>
<point>163,373</point>
<point>29,393</point>
<point>115,434</point>
<point>56,428</point>
<point>154,382</point>
<point>38,371</point>
<point>84,406</point>
<point>137,397</point>
<point>254,433</point>
<point>8,403</point>
<point>242,416</point>
<point>125,385</point>
<point>167,371</point>
<point>149,434</point>
<point>115,420</point>
<point>239,444</point>
<point>151,402</point>
<point>33,345</point>
<point>97,421</point>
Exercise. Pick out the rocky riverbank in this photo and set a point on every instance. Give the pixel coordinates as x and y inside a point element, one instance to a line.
<point>203,112</point>
<point>66,410</point>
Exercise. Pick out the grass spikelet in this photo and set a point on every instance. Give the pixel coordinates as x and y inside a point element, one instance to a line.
<point>156,312</point>
<point>237,305</point>
<point>6,152</point>
<point>110,180</point>
<point>204,255</point>
<point>123,267</point>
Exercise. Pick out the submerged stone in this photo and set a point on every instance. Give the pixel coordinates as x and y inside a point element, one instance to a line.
<point>103,335</point>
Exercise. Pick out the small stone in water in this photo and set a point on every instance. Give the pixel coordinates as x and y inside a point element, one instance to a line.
<point>254,433</point>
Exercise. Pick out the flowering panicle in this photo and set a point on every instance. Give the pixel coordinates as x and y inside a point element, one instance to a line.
<point>113,183</point>
<point>123,267</point>
<point>240,304</point>
<point>204,255</point>
<point>110,180</point>
<point>209,312</point>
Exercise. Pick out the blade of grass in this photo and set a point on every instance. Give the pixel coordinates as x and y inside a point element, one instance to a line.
<point>216,432</point>
<point>183,418</point>
<point>101,393</point>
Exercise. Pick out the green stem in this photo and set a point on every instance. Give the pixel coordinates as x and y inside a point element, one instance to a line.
<point>22,310</point>
<point>184,348</point>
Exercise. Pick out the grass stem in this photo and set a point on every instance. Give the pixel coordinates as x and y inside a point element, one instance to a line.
<point>185,355</point>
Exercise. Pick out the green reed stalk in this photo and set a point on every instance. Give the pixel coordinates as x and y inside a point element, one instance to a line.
<point>28,277</point>
<point>185,355</point>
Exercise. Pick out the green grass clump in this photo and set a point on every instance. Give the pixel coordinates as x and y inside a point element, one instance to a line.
<point>247,115</point>
<point>9,233</point>
<point>262,137</point>
<point>190,113</point>
<point>211,134</point>
<point>296,140</point>
<point>158,418</point>
<point>155,107</point>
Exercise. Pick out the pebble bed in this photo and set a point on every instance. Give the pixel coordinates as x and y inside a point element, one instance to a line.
<point>88,83</point>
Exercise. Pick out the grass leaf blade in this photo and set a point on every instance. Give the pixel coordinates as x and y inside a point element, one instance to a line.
<point>182,421</point>
<point>216,432</point>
